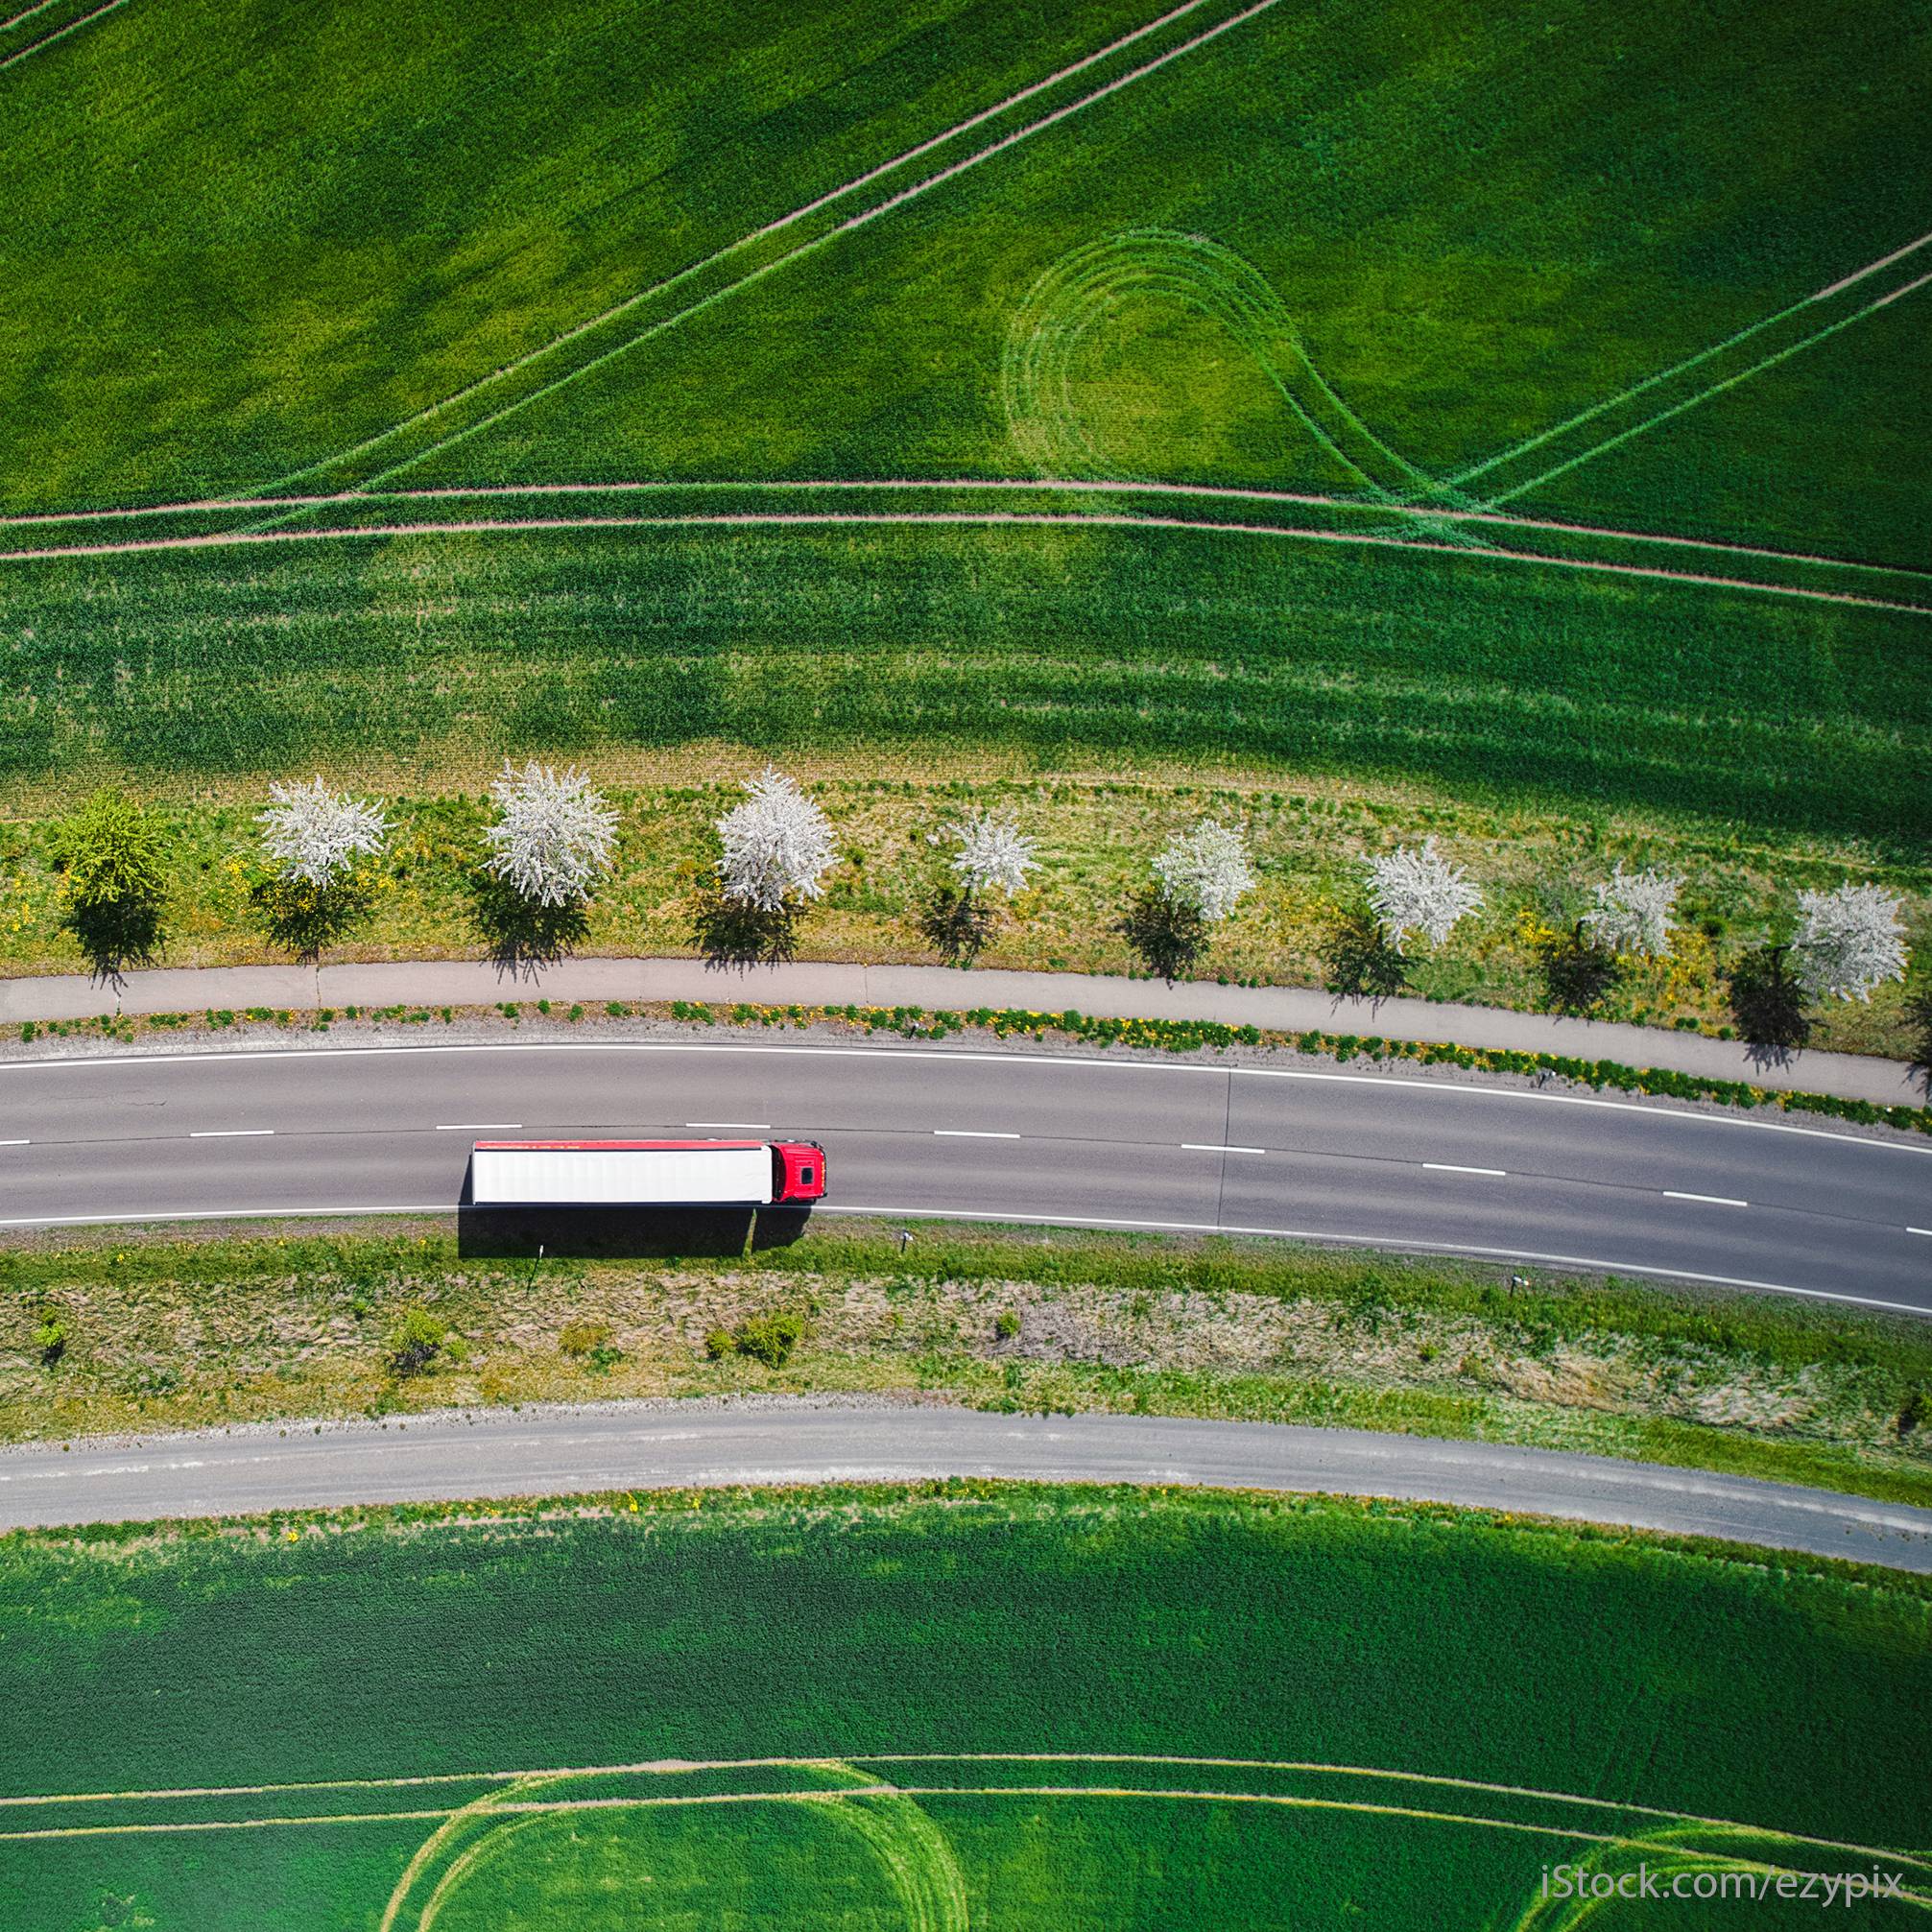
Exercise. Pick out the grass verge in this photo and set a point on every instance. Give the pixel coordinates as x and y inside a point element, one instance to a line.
<point>1097,830</point>
<point>126,1334</point>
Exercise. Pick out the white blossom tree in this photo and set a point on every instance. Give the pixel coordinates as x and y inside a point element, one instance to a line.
<point>994,855</point>
<point>1414,889</point>
<point>1848,941</point>
<point>1633,913</point>
<point>1206,871</point>
<point>777,842</point>
<point>315,835</point>
<point>554,835</point>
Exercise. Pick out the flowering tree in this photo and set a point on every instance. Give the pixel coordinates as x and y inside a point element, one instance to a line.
<point>994,855</point>
<point>1416,889</point>
<point>315,835</point>
<point>1848,941</point>
<point>554,834</point>
<point>1633,913</point>
<point>1206,871</point>
<point>777,842</point>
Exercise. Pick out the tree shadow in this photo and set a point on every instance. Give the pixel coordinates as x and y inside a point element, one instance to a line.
<point>1168,938</point>
<point>521,933</point>
<point>1768,1005</point>
<point>1359,961</point>
<point>303,919</point>
<point>1578,977</point>
<point>729,933</point>
<point>1919,1019</point>
<point>116,935</point>
<point>957,923</point>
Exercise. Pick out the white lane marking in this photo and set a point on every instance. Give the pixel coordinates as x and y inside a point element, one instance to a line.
<point>231,1133</point>
<point>16,1143</point>
<point>1710,1200</point>
<point>1453,1088</point>
<point>1211,1147</point>
<point>1449,1167</point>
<point>1918,1230</point>
<point>1394,1243</point>
<point>479,1126</point>
<point>969,1133</point>
<point>759,1126</point>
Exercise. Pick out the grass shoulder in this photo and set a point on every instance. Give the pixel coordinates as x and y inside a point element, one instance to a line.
<point>124,1333</point>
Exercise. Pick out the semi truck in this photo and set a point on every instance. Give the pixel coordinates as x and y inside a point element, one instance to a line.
<point>646,1173</point>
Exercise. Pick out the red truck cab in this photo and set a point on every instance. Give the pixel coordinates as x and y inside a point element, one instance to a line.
<point>798,1171</point>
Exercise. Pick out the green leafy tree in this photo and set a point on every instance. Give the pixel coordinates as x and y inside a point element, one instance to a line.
<point>113,853</point>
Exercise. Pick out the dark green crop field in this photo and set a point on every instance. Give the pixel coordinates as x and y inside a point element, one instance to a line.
<point>941,1710</point>
<point>1553,385</point>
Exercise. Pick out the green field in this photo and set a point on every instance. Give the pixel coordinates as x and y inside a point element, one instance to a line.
<point>1439,287</point>
<point>1158,1710</point>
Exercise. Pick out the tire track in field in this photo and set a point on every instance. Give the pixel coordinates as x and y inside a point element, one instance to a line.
<point>7,25</point>
<point>513,1815</point>
<point>806,208</point>
<point>964,518</point>
<point>74,26</point>
<point>1044,486</point>
<point>531,1780</point>
<point>1716,389</point>
<point>1736,339</point>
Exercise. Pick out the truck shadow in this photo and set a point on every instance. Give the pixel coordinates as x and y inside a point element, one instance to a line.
<point>624,1233</point>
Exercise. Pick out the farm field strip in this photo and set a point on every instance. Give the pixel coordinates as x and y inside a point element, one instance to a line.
<point>1100,486</point>
<point>843,228</point>
<point>472,526</point>
<point>618,310</point>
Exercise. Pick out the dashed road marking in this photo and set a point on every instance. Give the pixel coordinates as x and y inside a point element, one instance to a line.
<point>1710,1200</point>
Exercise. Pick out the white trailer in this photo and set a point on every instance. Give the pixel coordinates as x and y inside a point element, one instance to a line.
<point>644,1173</point>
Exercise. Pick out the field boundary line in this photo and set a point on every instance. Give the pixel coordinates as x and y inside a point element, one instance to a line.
<point>1044,486</point>
<point>816,242</point>
<point>771,228</point>
<point>1663,376</point>
<point>59,33</point>
<point>1704,395</point>
<point>753,520</point>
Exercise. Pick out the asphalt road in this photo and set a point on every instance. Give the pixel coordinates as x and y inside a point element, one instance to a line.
<point>653,1444</point>
<point>1379,1160</point>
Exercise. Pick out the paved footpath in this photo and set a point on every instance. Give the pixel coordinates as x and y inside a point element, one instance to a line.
<point>803,983</point>
<point>564,1451</point>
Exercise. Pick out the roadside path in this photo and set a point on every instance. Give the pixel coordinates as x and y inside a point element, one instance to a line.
<point>563,1451</point>
<point>803,983</point>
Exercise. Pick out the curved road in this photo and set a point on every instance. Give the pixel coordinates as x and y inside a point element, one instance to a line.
<point>658,1444</point>
<point>1395,1162</point>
